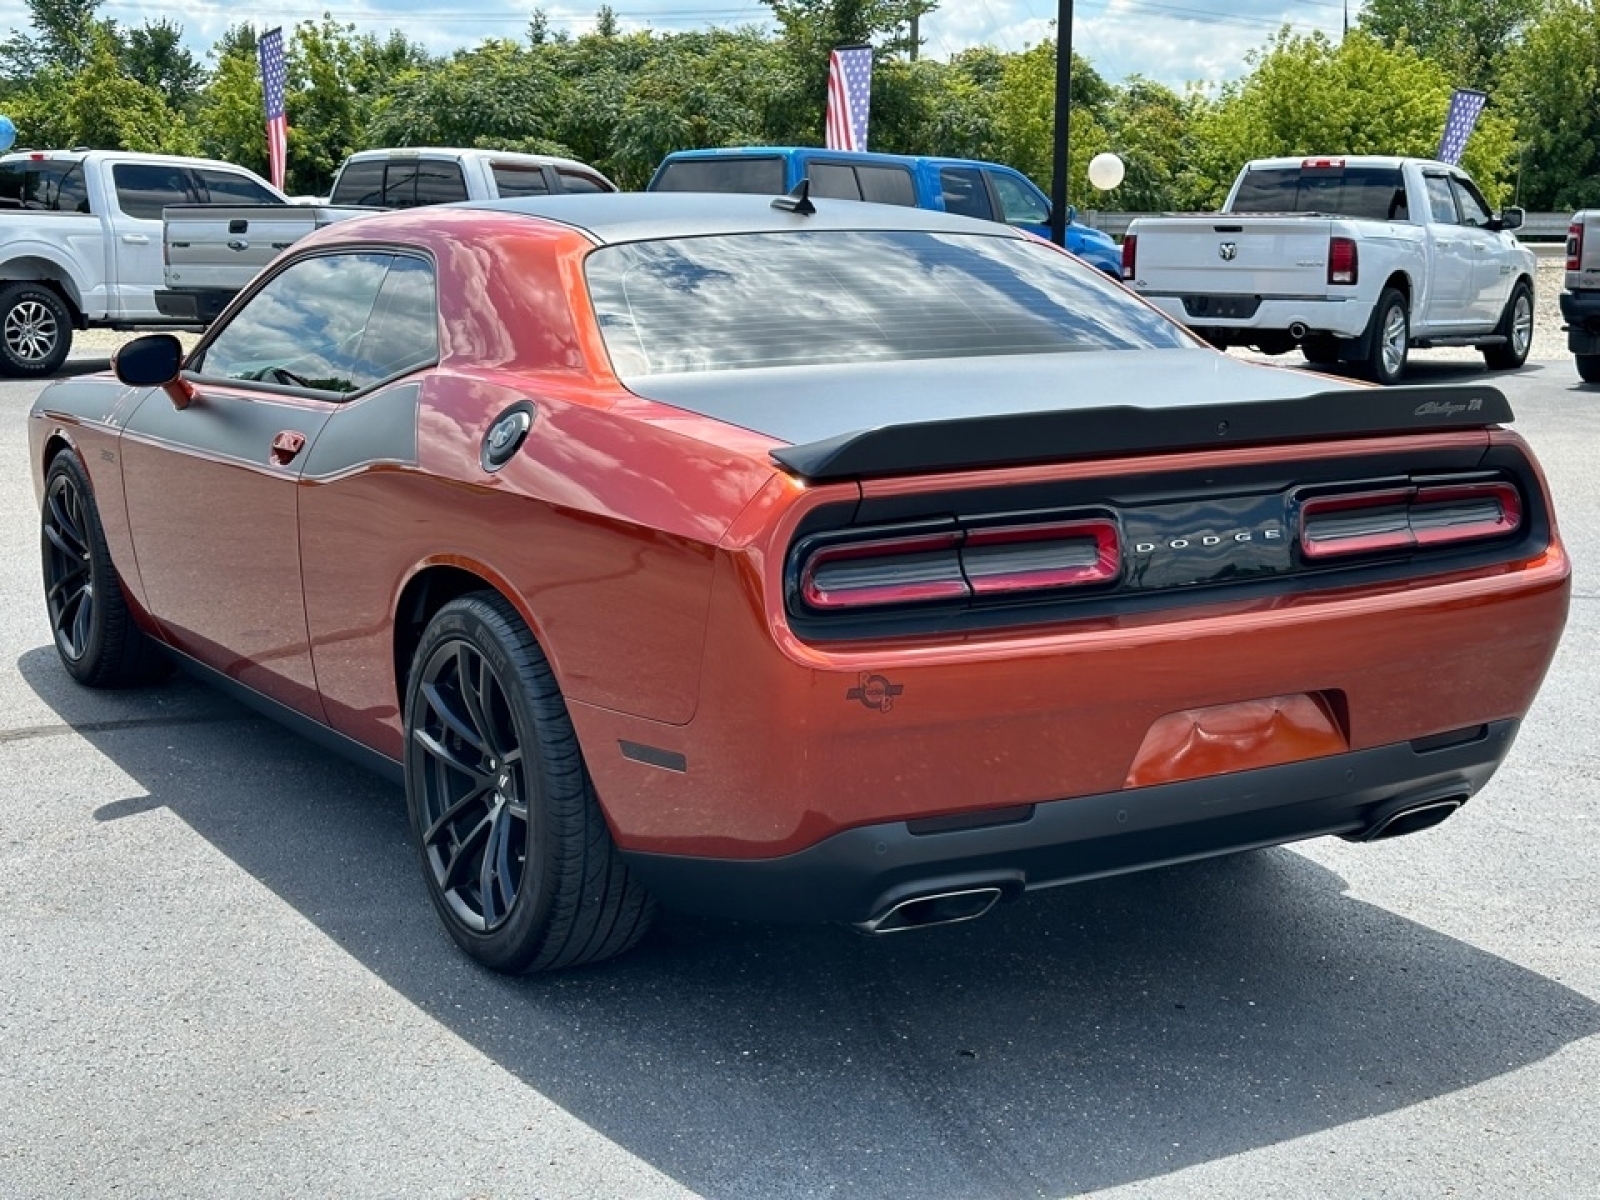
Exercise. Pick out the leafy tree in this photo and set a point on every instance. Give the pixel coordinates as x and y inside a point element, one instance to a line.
<point>1468,38</point>
<point>1554,77</point>
<point>1147,125</point>
<point>328,101</point>
<point>62,37</point>
<point>154,54</point>
<point>1025,117</point>
<point>231,116</point>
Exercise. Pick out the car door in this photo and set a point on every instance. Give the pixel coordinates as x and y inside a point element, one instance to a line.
<point>212,488</point>
<point>1492,269</point>
<point>141,191</point>
<point>1453,287</point>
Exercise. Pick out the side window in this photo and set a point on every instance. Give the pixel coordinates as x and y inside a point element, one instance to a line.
<point>581,182</point>
<point>403,333</point>
<point>1474,209</point>
<point>832,181</point>
<point>1441,201</point>
<point>440,183</point>
<point>887,185</point>
<point>964,193</point>
<point>359,183</point>
<point>144,189</point>
<point>43,186</point>
<point>510,182</point>
<point>400,186</point>
<point>71,193</point>
<point>229,187</point>
<point>1019,204</point>
<point>304,328</point>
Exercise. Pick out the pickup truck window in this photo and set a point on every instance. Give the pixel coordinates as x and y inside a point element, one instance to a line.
<point>359,184</point>
<point>510,182</point>
<point>1371,193</point>
<point>1441,200</point>
<point>437,183</point>
<point>43,186</point>
<point>144,189</point>
<point>758,176</point>
<point>887,185</point>
<point>964,192</point>
<point>1474,208</point>
<point>229,187</point>
<point>1019,205</point>
<point>579,183</point>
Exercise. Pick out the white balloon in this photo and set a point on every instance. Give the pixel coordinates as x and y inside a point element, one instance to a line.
<point>1106,171</point>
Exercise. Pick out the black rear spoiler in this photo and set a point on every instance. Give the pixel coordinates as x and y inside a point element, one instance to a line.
<point>1074,434</point>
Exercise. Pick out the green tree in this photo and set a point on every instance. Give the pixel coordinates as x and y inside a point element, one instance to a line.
<point>62,37</point>
<point>154,54</point>
<point>1554,79</point>
<point>1468,38</point>
<point>230,116</point>
<point>1025,117</point>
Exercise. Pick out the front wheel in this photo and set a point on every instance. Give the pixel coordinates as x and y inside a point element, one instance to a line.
<point>35,330</point>
<point>515,850</point>
<point>1391,338</point>
<point>1588,367</point>
<point>1516,326</point>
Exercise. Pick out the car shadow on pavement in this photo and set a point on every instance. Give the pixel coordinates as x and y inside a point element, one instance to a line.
<point>1091,1036</point>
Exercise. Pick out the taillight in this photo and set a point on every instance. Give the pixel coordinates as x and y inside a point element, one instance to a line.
<point>1575,246</point>
<point>961,564</point>
<point>1343,263</point>
<point>1130,255</point>
<point>1407,518</point>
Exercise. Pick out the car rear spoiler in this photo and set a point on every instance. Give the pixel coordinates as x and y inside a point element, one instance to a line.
<point>1017,439</point>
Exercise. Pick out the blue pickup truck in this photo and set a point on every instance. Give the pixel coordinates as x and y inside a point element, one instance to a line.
<point>956,185</point>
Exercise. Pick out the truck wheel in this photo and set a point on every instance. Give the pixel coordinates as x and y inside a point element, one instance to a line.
<point>1321,350</point>
<point>1516,326</point>
<point>1391,338</point>
<point>35,330</point>
<point>1588,367</point>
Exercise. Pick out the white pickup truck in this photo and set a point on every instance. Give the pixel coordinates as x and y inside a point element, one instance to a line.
<point>1580,302</point>
<point>1355,259</point>
<point>80,242</point>
<point>212,254</point>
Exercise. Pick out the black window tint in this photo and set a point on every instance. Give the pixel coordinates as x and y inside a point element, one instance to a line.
<point>1373,193</point>
<point>144,189</point>
<point>1019,203</point>
<point>72,192</point>
<point>580,183</point>
<point>43,186</point>
<point>400,185</point>
<point>359,183</point>
<point>887,185</point>
<point>758,176</point>
<point>737,302</point>
<point>832,181</point>
<point>440,183</point>
<point>964,193</point>
<point>403,333</point>
<point>304,327</point>
<point>520,181</point>
<point>229,187</point>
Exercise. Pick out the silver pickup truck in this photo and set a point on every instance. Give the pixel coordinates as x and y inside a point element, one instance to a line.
<point>213,253</point>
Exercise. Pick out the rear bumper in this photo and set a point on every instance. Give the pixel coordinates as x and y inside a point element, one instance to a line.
<point>859,874</point>
<point>1341,318</point>
<point>1581,311</point>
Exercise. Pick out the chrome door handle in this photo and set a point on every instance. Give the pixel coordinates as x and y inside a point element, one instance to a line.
<point>136,239</point>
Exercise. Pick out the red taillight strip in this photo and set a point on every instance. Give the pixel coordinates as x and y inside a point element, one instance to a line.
<point>902,570</point>
<point>1344,263</point>
<point>1575,246</point>
<point>1407,518</point>
<point>1130,255</point>
<point>1020,558</point>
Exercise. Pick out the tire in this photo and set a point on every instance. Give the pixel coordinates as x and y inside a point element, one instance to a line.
<point>94,632</point>
<point>1516,326</point>
<point>35,330</point>
<point>1320,350</point>
<point>515,851</point>
<point>1391,338</point>
<point>1588,367</point>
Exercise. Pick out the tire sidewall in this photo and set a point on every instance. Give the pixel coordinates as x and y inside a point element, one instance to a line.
<point>1387,303</point>
<point>68,466</point>
<point>12,297</point>
<point>511,945</point>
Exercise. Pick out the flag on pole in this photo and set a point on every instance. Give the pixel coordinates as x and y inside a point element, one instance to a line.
<point>849,97</point>
<point>1465,105</point>
<point>274,75</point>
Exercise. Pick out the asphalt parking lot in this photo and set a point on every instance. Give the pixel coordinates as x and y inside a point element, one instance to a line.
<point>222,978</point>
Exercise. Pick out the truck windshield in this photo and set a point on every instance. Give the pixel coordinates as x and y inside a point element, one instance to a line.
<point>1373,193</point>
<point>738,302</point>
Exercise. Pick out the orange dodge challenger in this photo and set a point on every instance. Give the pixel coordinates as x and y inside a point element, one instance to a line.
<point>795,560</point>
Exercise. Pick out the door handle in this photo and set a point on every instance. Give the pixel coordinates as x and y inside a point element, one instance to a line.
<point>285,446</point>
<point>136,239</point>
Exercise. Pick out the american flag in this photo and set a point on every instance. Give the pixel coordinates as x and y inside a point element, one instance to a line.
<point>274,74</point>
<point>1465,105</point>
<point>849,97</point>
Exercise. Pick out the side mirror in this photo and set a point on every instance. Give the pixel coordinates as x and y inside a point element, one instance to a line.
<point>1511,218</point>
<point>1072,214</point>
<point>155,360</point>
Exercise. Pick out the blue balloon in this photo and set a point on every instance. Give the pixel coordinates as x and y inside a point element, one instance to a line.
<point>8,134</point>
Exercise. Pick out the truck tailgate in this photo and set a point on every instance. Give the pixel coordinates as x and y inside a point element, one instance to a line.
<point>1226,255</point>
<point>225,246</point>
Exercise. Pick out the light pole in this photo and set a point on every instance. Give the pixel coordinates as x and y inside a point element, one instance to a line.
<point>1058,182</point>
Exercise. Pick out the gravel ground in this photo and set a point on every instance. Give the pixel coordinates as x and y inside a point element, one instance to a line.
<point>1549,342</point>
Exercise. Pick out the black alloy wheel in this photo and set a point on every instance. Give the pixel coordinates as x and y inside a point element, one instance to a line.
<point>94,632</point>
<point>516,853</point>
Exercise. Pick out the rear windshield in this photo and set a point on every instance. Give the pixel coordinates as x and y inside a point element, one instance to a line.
<point>43,185</point>
<point>756,176</point>
<point>1374,193</point>
<point>738,302</point>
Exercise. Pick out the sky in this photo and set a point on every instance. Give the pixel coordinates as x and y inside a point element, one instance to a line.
<point>1175,42</point>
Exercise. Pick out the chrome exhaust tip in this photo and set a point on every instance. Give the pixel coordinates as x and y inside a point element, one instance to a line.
<point>1298,331</point>
<point>937,908</point>
<point>1411,818</point>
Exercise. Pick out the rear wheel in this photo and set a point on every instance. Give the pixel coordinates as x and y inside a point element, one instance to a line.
<point>1588,367</point>
<point>516,853</point>
<point>1321,350</point>
<point>1516,326</point>
<point>95,635</point>
<point>1391,338</point>
<point>35,330</point>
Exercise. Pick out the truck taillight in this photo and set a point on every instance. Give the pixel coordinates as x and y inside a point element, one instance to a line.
<point>1130,255</point>
<point>1408,518</point>
<point>960,564</point>
<point>1575,246</point>
<point>1343,263</point>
